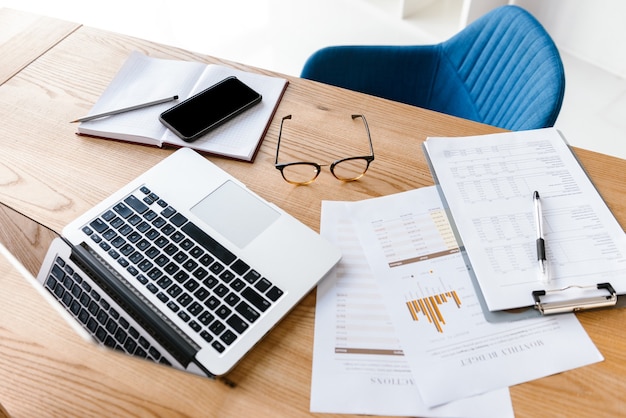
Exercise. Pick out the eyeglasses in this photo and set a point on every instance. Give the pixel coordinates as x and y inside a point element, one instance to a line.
<point>345,169</point>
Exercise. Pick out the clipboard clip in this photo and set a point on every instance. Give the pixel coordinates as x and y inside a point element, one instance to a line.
<point>556,305</point>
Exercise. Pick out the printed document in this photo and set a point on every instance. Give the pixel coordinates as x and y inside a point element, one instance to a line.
<point>451,349</point>
<point>358,363</point>
<point>488,183</point>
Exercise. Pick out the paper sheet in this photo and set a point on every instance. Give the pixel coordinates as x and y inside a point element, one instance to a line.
<point>453,351</point>
<point>358,363</point>
<point>488,182</point>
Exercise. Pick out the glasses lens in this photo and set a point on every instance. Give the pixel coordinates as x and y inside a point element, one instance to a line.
<point>300,173</point>
<point>350,169</point>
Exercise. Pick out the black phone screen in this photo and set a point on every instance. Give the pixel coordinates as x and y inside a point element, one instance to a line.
<point>209,108</point>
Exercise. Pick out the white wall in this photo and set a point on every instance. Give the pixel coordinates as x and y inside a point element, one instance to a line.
<point>594,31</point>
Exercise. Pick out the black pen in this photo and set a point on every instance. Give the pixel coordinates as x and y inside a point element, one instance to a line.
<point>541,243</point>
<point>126,109</point>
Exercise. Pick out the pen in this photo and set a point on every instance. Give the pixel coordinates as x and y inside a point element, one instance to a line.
<point>541,243</point>
<point>126,109</point>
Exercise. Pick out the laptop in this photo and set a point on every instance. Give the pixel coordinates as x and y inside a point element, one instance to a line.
<point>184,266</point>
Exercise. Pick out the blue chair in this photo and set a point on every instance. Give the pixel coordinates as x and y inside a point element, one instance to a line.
<point>502,70</point>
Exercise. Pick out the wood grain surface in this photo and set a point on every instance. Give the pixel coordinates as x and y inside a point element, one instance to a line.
<point>49,175</point>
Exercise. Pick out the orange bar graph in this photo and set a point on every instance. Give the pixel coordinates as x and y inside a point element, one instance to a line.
<point>429,307</point>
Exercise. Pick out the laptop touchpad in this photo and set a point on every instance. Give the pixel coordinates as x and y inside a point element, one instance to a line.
<point>235,213</point>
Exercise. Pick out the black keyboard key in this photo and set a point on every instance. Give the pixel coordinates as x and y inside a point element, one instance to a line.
<point>110,342</point>
<point>221,290</point>
<point>134,219</point>
<point>130,345</point>
<point>178,219</point>
<point>174,291</point>
<point>67,299</point>
<point>206,318</point>
<point>191,285</point>
<point>180,257</point>
<point>143,227</point>
<point>108,215</point>
<point>195,326</point>
<point>157,356</point>
<point>232,299</point>
<point>212,302</point>
<point>227,276</point>
<point>262,285</point>
<point>75,307</point>
<point>92,325</point>
<point>209,243</point>
<point>196,252</point>
<point>181,276</point>
<point>99,225</point>
<point>238,324</point>
<point>202,293</point>
<point>150,215</point>
<point>207,336</point>
<point>206,260</point>
<point>168,212</point>
<point>200,273</point>
<point>255,299</point>
<point>218,347</point>
<point>217,327</point>
<point>111,326</point>
<point>247,312</point>
<point>228,337</point>
<point>133,333</point>
<point>120,336</point>
<point>252,276</point>
<point>216,268</point>
<point>83,316</point>
<point>158,222</point>
<point>240,267</point>
<point>102,317</point>
<point>185,299</point>
<point>274,294</point>
<point>101,334</point>
<point>123,210</point>
<point>136,204</point>
<point>223,311</point>
<point>190,265</point>
<point>210,281</point>
<point>143,342</point>
<point>195,309</point>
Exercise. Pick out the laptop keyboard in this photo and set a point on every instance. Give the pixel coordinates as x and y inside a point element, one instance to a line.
<point>109,325</point>
<point>212,290</point>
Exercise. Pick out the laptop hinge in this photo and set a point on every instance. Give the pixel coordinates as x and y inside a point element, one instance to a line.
<point>161,328</point>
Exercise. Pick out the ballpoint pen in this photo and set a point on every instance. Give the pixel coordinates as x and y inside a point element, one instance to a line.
<point>541,243</point>
<point>126,109</point>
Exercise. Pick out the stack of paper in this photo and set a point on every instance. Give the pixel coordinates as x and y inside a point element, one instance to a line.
<point>400,329</point>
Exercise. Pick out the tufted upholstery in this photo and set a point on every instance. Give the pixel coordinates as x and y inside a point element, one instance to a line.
<point>503,70</point>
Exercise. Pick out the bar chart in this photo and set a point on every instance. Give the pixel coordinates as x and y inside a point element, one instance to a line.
<point>429,308</point>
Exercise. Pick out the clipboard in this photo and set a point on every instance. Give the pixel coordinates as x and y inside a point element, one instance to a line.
<point>542,299</point>
<point>602,296</point>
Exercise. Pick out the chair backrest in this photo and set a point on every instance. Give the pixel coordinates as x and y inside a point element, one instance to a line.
<point>503,70</point>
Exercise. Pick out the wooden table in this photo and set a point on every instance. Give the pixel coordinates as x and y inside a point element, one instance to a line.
<point>48,176</point>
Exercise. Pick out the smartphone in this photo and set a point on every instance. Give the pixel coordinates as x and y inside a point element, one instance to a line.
<point>197,115</point>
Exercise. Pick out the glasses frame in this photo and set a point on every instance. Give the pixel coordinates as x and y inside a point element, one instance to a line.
<point>318,167</point>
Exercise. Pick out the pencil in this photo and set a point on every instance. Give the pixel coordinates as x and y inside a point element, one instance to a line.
<point>126,109</point>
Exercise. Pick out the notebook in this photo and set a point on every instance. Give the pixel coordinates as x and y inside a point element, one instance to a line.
<point>143,79</point>
<point>184,266</point>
